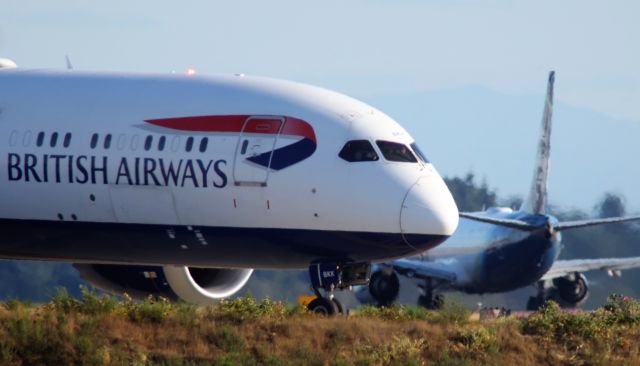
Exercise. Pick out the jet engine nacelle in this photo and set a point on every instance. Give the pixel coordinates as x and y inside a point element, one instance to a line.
<point>194,285</point>
<point>572,289</point>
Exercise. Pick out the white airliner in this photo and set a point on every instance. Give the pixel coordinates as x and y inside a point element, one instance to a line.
<point>181,184</point>
<point>500,250</point>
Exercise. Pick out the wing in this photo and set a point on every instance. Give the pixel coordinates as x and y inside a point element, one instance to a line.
<point>562,268</point>
<point>583,223</point>
<point>514,224</point>
<point>564,225</point>
<point>425,269</point>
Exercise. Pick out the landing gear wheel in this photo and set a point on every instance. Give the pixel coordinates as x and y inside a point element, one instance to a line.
<point>323,305</point>
<point>438,301</point>
<point>338,305</point>
<point>432,304</point>
<point>534,303</point>
<point>384,287</point>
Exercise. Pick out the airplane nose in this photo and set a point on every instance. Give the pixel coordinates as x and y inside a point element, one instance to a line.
<point>429,214</point>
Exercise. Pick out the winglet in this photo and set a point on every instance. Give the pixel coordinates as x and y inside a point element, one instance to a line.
<point>536,201</point>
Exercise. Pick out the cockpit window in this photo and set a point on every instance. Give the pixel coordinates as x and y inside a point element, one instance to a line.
<point>418,152</point>
<point>394,151</point>
<point>358,150</point>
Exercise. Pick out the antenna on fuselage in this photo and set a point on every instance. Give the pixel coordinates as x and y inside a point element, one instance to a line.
<point>536,200</point>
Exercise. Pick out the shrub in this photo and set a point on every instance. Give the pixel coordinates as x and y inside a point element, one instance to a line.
<point>452,312</point>
<point>620,310</point>
<point>247,308</point>
<point>394,312</point>
<point>63,302</point>
<point>478,340</point>
<point>552,322</point>
<point>227,339</point>
<point>93,304</point>
<point>401,350</point>
<point>15,304</point>
<point>152,309</point>
<point>34,340</point>
<point>187,314</point>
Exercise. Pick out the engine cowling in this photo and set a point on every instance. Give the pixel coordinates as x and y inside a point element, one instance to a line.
<point>572,289</point>
<point>195,285</point>
<point>205,285</point>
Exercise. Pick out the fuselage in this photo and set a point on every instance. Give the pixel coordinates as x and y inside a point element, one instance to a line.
<point>205,171</point>
<point>490,258</point>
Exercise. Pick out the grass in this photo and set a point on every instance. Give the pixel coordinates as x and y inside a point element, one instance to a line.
<point>102,330</point>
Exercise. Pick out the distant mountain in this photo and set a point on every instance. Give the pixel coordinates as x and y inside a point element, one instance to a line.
<point>495,136</point>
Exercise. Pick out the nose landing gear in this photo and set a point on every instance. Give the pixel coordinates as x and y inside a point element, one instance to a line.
<point>327,277</point>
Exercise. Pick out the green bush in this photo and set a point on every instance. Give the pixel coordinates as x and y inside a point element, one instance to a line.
<point>552,322</point>
<point>400,350</point>
<point>34,340</point>
<point>187,314</point>
<point>394,312</point>
<point>15,304</point>
<point>93,304</point>
<point>152,309</point>
<point>452,312</point>
<point>620,310</point>
<point>227,339</point>
<point>248,308</point>
<point>63,302</point>
<point>478,340</point>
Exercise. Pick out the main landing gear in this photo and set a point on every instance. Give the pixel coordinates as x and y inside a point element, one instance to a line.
<point>327,277</point>
<point>429,299</point>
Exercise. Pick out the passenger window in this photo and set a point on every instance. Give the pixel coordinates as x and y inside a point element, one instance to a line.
<point>175,143</point>
<point>40,139</point>
<point>147,142</point>
<point>133,144</point>
<point>245,144</point>
<point>54,139</point>
<point>122,141</point>
<point>203,144</point>
<point>94,140</point>
<point>161,142</point>
<point>358,150</point>
<point>67,139</point>
<point>189,144</point>
<point>418,152</point>
<point>107,141</point>
<point>394,151</point>
<point>26,139</point>
<point>13,139</point>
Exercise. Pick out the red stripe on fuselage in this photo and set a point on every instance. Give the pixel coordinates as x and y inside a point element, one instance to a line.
<point>234,123</point>
<point>202,123</point>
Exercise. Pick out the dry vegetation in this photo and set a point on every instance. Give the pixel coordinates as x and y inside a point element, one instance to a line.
<point>100,330</point>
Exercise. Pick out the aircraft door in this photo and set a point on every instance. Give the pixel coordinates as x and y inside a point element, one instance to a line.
<point>254,150</point>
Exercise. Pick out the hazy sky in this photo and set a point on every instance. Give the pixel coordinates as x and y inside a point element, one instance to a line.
<point>367,49</point>
<point>358,47</point>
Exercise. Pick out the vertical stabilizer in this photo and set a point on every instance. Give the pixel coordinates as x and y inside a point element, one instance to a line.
<point>536,200</point>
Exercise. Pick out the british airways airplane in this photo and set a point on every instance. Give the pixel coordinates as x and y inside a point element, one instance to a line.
<point>180,185</point>
<point>500,250</point>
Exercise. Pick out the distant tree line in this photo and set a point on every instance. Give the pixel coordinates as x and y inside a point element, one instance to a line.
<point>37,281</point>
